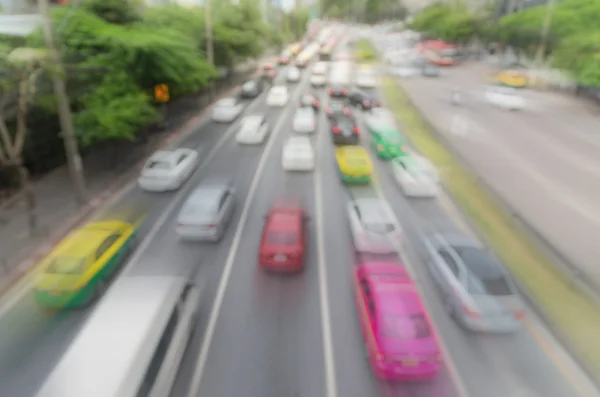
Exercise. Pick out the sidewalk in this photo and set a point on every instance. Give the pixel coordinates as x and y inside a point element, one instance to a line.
<point>57,209</point>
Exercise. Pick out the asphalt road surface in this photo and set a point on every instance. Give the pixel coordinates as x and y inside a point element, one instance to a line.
<point>543,160</point>
<point>292,336</point>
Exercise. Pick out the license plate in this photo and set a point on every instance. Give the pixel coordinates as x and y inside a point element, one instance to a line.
<point>410,363</point>
<point>280,258</point>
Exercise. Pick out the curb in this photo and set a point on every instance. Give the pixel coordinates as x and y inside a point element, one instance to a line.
<point>99,200</point>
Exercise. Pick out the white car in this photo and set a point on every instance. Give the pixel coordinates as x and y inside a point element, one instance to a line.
<point>304,121</point>
<point>278,96</point>
<point>168,169</point>
<point>298,154</point>
<point>293,74</point>
<point>416,176</point>
<point>253,130</point>
<point>227,110</point>
<point>504,97</point>
<point>366,80</point>
<point>377,117</point>
<point>372,228</point>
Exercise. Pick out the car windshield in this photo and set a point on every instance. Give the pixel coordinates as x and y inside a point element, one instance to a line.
<point>281,237</point>
<point>226,103</point>
<point>390,137</point>
<point>405,327</point>
<point>249,85</point>
<point>159,165</point>
<point>66,265</point>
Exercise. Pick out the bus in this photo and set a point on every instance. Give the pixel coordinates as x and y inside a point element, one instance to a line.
<point>327,50</point>
<point>133,342</point>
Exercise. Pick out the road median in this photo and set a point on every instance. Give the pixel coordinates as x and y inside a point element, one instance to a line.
<point>570,313</point>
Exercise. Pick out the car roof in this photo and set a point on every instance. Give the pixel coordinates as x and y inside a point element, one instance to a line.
<point>299,140</point>
<point>208,195</point>
<point>305,111</point>
<point>163,155</point>
<point>279,88</point>
<point>253,120</point>
<point>283,217</point>
<point>352,151</point>
<point>83,242</point>
<point>372,209</point>
<point>227,102</point>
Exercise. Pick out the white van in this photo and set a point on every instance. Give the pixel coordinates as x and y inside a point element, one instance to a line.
<point>133,342</point>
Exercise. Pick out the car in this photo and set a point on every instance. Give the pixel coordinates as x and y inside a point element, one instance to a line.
<point>505,98</point>
<point>430,70</point>
<point>364,100</point>
<point>416,176</point>
<point>253,130</point>
<point>252,88</point>
<point>278,96</point>
<point>512,78</point>
<point>338,107</point>
<point>206,213</point>
<point>372,226</point>
<point>284,58</point>
<point>293,75</point>
<point>400,340</point>
<point>365,79</point>
<point>298,154</point>
<point>310,100</point>
<point>387,141</point>
<point>167,170</point>
<point>78,270</point>
<point>354,164</point>
<point>227,110</point>
<point>338,91</point>
<point>344,130</point>
<point>304,120</point>
<point>282,244</point>
<point>318,76</point>
<point>478,293</point>
<point>378,118</point>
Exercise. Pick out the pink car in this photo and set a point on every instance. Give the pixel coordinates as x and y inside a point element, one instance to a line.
<point>400,340</point>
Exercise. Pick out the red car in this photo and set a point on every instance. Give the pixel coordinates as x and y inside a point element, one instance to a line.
<point>283,239</point>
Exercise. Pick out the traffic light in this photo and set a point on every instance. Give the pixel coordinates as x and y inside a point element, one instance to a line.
<point>161,93</point>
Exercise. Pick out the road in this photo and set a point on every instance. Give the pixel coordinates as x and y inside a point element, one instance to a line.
<point>267,336</point>
<point>543,161</point>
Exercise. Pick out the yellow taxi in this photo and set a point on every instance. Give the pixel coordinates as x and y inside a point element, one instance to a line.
<point>354,164</point>
<point>512,78</point>
<point>77,271</point>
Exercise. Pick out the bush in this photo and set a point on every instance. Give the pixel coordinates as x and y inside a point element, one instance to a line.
<point>364,51</point>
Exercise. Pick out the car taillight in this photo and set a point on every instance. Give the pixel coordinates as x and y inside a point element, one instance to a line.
<point>272,73</point>
<point>356,130</point>
<point>344,91</point>
<point>366,103</point>
<point>346,111</point>
<point>330,91</point>
<point>336,130</point>
<point>469,312</point>
<point>316,103</point>
<point>211,226</point>
<point>519,314</point>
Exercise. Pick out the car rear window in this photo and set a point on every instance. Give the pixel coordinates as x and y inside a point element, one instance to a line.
<point>405,327</point>
<point>379,227</point>
<point>497,286</point>
<point>66,265</point>
<point>281,238</point>
<point>485,276</point>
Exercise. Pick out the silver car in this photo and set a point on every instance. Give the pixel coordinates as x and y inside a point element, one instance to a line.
<point>304,120</point>
<point>477,291</point>
<point>373,227</point>
<point>206,213</point>
<point>227,110</point>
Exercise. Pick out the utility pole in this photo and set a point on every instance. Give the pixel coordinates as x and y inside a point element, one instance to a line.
<point>64,109</point>
<point>209,41</point>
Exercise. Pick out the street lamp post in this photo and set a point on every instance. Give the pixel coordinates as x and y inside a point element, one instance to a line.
<point>539,56</point>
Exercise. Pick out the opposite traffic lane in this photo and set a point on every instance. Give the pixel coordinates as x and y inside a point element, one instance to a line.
<point>33,339</point>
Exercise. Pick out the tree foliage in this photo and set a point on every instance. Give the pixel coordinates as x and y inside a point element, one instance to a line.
<point>117,51</point>
<point>368,11</point>
<point>450,22</point>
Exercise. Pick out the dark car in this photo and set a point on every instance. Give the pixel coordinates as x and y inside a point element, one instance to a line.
<point>252,88</point>
<point>338,107</point>
<point>338,91</point>
<point>269,70</point>
<point>301,64</point>
<point>364,100</point>
<point>344,130</point>
<point>310,100</point>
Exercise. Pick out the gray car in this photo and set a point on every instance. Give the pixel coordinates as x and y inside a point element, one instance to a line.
<point>430,70</point>
<point>476,289</point>
<point>206,213</point>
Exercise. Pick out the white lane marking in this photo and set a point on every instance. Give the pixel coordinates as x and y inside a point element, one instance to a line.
<point>233,251</point>
<point>330,382</point>
<point>452,368</point>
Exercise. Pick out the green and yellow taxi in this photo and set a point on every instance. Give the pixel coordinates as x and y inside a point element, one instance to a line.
<point>388,142</point>
<point>511,78</point>
<point>354,164</point>
<point>77,271</point>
